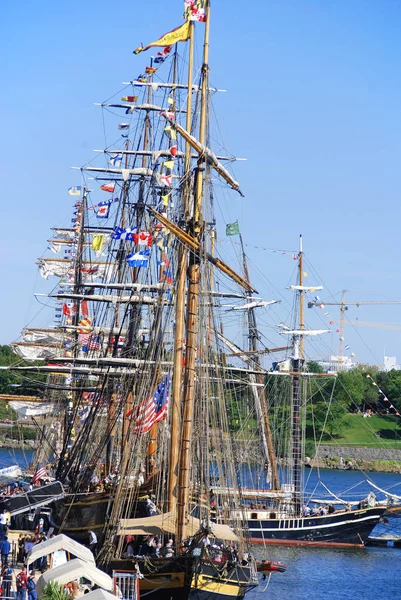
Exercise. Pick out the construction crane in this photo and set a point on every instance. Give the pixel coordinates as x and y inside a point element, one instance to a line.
<point>344,307</point>
<point>378,325</point>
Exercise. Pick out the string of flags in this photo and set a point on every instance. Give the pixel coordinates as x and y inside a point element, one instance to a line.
<point>384,397</point>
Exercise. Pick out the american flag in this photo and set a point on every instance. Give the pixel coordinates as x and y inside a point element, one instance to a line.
<point>154,409</point>
<point>94,343</point>
<point>39,474</point>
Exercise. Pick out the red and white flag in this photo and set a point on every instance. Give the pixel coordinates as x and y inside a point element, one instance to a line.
<point>144,238</point>
<point>108,187</point>
<point>39,474</point>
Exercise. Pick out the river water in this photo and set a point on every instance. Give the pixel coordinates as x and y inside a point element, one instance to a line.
<point>321,573</point>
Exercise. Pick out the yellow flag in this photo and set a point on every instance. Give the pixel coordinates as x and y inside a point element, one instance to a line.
<point>97,242</point>
<point>169,164</point>
<point>165,200</point>
<point>170,100</point>
<point>170,132</point>
<point>179,34</point>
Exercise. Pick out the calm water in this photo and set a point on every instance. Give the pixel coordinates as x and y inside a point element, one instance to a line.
<point>321,573</point>
<point>343,573</point>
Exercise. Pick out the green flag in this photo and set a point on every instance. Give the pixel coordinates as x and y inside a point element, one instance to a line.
<point>232,228</point>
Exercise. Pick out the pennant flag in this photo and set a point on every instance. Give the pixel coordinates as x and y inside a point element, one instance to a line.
<point>173,151</point>
<point>124,234</point>
<point>194,10</point>
<point>169,114</point>
<point>331,322</point>
<point>170,131</point>
<point>116,159</point>
<point>39,474</point>
<point>150,70</point>
<point>143,239</point>
<point>129,98</point>
<point>154,409</point>
<point>179,34</point>
<point>165,200</point>
<point>164,180</point>
<point>139,259</point>
<point>123,125</point>
<point>161,56</point>
<point>108,187</point>
<point>232,228</point>
<point>169,164</point>
<point>75,190</point>
<point>347,347</point>
<point>97,242</point>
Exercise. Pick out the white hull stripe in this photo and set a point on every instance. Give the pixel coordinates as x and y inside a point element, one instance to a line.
<point>317,526</point>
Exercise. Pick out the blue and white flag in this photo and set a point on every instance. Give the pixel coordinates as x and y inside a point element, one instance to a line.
<point>75,190</point>
<point>102,208</point>
<point>123,125</point>
<point>124,234</point>
<point>139,259</point>
<point>116,159</point>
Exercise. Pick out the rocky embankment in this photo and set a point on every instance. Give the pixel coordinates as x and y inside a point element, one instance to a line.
<point>336,457</point>
<point>18,444</point>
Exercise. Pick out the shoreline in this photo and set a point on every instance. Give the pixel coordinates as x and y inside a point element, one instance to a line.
<point>379,465</point>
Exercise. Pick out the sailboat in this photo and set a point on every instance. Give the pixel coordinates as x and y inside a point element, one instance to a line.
<point>283,514</point>
<point>135,382</point>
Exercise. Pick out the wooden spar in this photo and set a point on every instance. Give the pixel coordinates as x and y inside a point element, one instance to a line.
<point>180,310</point>
<point>260,390</point>
<point>192,311</point>
<point>194,244</point>
<point>13,398</point>
<point>205,152</point>
<point>301,298</point>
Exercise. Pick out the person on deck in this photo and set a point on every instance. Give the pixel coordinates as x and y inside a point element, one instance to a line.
<point>7,576</point>
<point>22,581</point>
<point>5,551</point>
<point>31,587</point>
<point>93,542</point>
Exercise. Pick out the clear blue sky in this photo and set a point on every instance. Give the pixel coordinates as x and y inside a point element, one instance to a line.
<point>313,102</point>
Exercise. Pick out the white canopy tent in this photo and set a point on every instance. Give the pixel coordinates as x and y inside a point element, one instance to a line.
<point>73,570</point>
<point>60,542</point>
<point>100,594</point>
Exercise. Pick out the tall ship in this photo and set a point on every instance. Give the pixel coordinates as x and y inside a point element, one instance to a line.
<point>133,416</point>
<point>282,512</point>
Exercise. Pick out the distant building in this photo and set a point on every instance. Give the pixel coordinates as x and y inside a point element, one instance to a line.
<point>332,364</point>
<point>390,363</point>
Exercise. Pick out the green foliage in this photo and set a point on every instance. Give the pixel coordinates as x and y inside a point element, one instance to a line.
<point>314,367</point>
<point>54,591</point>
<point>390,383</point>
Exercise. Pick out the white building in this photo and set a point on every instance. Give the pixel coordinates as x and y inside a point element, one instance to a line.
<point>332,364</point>
<point>390,363</point>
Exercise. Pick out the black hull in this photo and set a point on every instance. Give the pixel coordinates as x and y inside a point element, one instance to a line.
<point>76,515</point>
<point>342,528</point>
<point>188,578</point>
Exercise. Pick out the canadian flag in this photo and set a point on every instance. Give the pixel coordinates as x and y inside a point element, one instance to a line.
<point>143,239</point>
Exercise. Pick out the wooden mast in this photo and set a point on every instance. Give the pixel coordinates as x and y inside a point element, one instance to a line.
<point>301,297</point>
<point>180,308</point>
<point>261,393</point>
<point>194,274</point>
<point>296,367</point>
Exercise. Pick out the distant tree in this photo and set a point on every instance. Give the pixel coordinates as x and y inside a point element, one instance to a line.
<point>313,367</point>
<point>390,383</point>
